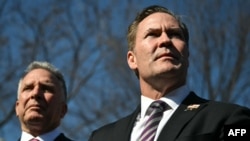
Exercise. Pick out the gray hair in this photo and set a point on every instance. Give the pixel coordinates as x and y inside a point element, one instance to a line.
<point>47,66</point>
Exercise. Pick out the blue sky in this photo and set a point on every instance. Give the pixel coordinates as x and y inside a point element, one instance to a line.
<point>12,130</point>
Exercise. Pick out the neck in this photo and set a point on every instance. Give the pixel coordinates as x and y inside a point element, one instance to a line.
<point>160,89</point>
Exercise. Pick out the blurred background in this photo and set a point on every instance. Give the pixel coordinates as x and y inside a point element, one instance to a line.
<point>86,40</point>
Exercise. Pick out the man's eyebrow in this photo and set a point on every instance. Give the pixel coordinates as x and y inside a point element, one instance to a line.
<point>149,30</point>
<point>26,86</point>
<point>28,83</point>
<point>47,82</point>
<point>174,29</point>
<point>168,29</point>
<point>152,29</point>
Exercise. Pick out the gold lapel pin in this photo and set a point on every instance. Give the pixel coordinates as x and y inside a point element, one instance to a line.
<point>192,107</point>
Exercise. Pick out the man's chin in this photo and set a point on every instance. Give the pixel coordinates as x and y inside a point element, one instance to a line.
<point>35,119</point>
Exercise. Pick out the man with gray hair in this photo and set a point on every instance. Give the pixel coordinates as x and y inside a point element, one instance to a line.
<point>41,103</point>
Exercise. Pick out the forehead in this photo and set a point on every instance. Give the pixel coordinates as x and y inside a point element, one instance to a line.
<point>39,75</point>
<point>159,20</point>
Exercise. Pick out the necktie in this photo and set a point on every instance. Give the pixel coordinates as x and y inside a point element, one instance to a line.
<point>156,110</point>
<point>34,139</point>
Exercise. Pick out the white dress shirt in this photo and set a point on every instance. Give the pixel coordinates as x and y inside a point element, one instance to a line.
<point>50,136</point>
<point>173,99</point>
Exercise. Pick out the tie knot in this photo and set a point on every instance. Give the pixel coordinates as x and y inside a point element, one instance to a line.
<point>157,106</point>
<point>34,139</point>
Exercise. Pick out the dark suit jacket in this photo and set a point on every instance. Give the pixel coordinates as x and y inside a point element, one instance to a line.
<point>205,123</point>
<point>61,137</point>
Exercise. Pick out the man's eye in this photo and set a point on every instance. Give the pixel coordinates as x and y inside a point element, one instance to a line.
<point>48,89</point>
<point>153,34</point>
<point>175,35</point>
<point>27,88</point>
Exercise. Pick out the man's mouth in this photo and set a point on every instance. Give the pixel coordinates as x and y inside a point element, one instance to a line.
<point>35,107</point>
<point>167,56</point>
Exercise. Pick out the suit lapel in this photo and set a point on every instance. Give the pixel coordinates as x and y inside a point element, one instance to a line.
<point>61,137</point>
<point>124,128</point>
<point>181,117</point>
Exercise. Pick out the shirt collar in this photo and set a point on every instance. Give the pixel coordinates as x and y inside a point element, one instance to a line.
<point>173,99</point>
<point>50,136</point>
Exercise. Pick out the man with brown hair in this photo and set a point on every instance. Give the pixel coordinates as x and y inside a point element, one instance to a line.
<point>168,111</point>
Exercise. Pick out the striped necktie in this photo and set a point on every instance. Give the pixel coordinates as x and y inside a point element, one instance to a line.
<point>34,139</point>
<point>155,110</point>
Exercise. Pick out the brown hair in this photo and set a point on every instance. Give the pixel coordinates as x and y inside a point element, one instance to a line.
<point>132,29</point>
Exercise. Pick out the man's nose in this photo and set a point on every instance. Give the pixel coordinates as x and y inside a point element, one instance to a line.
<point>36,92</point>
<point>164,39</point>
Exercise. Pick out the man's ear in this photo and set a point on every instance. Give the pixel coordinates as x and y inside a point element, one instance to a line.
<point>131,59</point>
<point>16,108</point>
<point>64,109</point>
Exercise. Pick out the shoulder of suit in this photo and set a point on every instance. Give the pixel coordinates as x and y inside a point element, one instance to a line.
<point>226,106</point>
